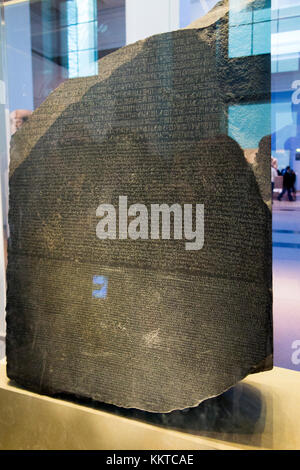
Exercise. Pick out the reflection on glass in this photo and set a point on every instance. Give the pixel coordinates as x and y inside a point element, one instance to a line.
<point>191,10</point>
<point>249,123</point>
<point>285,48</point>
<point>82,38</point>
<point>249,27</point>
<point>285,38</point>
<point>285,41</point>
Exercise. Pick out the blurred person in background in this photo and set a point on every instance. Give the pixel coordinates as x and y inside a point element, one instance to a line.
<point>288,184</point>
<point>294,177</point>
<point>17,119</point>
<point>274,173</point>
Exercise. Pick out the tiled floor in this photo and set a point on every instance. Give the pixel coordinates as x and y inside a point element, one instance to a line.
<point>286,283</point>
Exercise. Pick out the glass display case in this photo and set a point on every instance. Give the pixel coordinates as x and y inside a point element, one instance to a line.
<point>153,87</point>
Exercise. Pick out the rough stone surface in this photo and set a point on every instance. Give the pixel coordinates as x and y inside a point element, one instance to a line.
<point>177,326</point>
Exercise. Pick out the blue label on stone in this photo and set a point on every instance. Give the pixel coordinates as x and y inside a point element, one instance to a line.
<point>101,281</point>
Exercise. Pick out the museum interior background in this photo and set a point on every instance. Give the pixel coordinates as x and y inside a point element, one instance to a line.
<point>45,42</point>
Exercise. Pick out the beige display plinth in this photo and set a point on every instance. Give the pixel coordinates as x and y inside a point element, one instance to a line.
<point>31,421</point>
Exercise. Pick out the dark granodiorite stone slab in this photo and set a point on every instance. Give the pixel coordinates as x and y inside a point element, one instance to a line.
<point>174,327</point>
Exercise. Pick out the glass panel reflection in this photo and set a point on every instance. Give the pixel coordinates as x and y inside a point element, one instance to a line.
<point>82,36</point>
<point>249,123</point>
<point>249,28</point>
